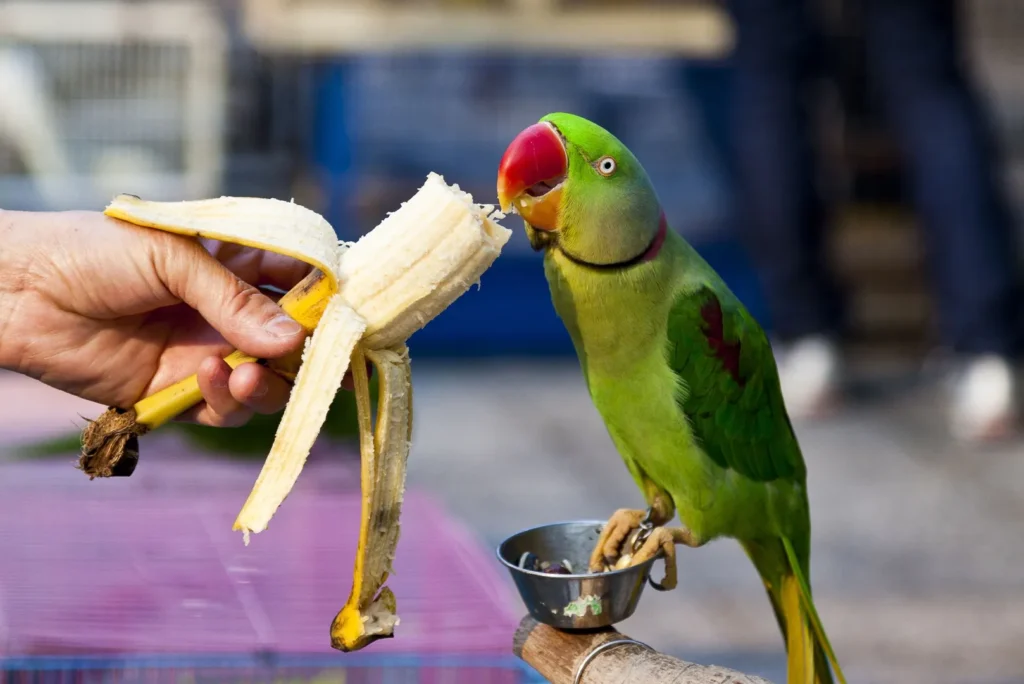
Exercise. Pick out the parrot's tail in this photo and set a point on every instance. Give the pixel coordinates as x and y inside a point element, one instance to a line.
<point>808,651</point>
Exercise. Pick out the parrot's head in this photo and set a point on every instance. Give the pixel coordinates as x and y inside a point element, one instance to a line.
<point>582,192</point>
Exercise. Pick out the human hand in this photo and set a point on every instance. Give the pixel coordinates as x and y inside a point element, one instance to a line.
<point>112,313</point>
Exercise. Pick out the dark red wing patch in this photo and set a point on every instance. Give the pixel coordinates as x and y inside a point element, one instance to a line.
<point>714,331</point>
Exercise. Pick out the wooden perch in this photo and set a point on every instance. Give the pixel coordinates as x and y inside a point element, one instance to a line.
<point>558,655</point>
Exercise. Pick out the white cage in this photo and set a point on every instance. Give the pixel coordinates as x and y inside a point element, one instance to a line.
<point>103,97</point>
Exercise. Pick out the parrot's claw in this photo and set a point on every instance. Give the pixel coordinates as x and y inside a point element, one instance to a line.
<point>660,539</point>
<point>608,549</point>
<point>631,537</point>
<point>648,543</point>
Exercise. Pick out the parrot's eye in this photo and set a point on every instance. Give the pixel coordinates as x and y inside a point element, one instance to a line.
<point>606,166</point>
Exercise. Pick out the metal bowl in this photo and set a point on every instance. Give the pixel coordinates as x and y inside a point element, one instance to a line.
<point>570,602</point>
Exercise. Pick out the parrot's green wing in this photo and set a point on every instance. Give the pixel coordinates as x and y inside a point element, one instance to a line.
<point>731,395</point>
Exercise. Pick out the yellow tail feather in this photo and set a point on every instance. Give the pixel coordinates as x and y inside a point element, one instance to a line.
<point>808,652</point>
<point>799,643</point>
<point>810,611</point>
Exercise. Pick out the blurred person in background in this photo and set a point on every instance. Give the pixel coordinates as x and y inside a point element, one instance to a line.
<point>914,57</point>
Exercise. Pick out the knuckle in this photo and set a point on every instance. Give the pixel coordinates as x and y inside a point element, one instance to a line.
<point>244,296</point>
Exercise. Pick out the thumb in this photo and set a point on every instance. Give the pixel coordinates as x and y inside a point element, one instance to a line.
<point>248,319</point>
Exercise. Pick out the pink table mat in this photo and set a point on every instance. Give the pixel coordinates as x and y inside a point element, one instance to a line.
<point>149,564</point>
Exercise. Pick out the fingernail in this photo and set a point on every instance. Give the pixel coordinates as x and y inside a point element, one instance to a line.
<point>219,381</point>
<point>260,389</point>
<point>283,325</point>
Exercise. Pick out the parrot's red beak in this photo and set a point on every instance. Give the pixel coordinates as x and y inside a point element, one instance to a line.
<point>531,173</point>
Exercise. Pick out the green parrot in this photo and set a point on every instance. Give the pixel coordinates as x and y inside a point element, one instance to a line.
<point>682,375</point>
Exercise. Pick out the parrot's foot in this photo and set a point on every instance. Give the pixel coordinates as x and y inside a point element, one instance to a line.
<point>608,548</point>
<point>658,539</point>
<point>665,539</point>
<point>661,539</point>
<point>621,535</point>
<point>631,537</point>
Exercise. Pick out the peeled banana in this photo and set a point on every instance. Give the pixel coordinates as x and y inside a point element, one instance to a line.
<point>361,303</point>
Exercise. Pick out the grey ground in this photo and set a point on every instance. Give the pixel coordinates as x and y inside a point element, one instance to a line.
<point>918,568</point>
